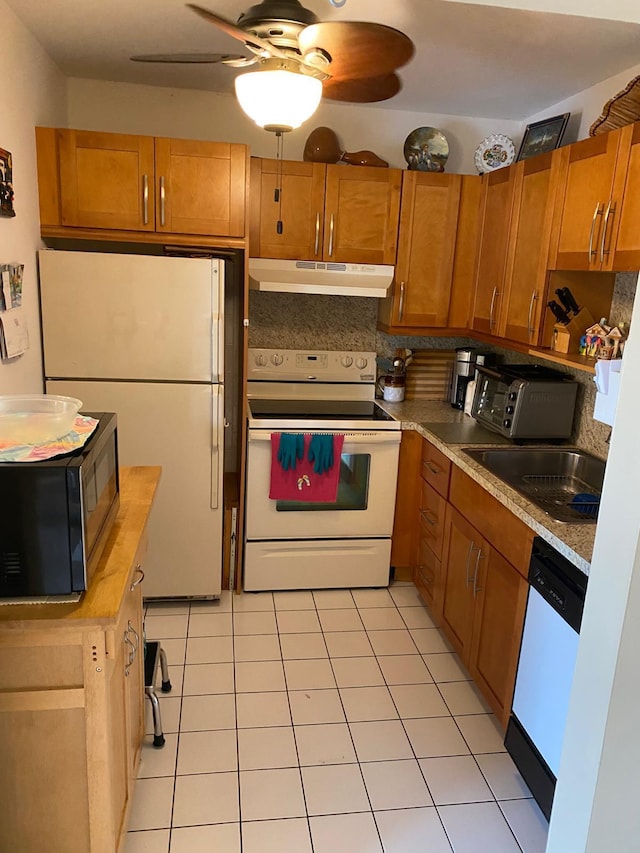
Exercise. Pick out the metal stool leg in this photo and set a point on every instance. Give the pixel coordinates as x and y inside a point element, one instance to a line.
<point>158,736</point>
<point>166,684</point>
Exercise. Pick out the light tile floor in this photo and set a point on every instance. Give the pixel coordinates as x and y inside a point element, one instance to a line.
<point>320,723</point>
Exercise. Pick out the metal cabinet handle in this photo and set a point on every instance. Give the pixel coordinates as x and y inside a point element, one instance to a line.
<point>433,468</point>
<point>469,553</point>
<point>611,208</point>
<point>493,301</point>
<point>163,198</point>
<point>132,652</point>
<point>429,517</point>
<point>137,580</point>
<point>476,588</point>
<point>331,229</point>
<point>401,307</point>
<point>145,199</point>
<point>530,328</point>
<point>597,212</point>
<point>316,247</point>
<point>135,634</point>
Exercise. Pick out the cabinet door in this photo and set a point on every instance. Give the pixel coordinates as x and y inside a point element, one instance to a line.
<point>200,187</point>
<point>134,682</point>
<point>299,207</point>
<point>588,184</point>
<point>500,595</point>
<point>106,180</point>
<point>426,247</point>
<point>622,246</point>
<point>464,549</point>
<point>405,522</point>
<point>362,206</point>
<point>530,233</point>
<point>492,253</point>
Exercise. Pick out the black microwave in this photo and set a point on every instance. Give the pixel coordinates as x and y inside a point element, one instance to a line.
<point>55,516</point>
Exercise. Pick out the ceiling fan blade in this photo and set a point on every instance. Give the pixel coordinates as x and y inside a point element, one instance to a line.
<point>188,58</point>
<point>237,33</point>
<point>358,49</point>
<point>366,90</point>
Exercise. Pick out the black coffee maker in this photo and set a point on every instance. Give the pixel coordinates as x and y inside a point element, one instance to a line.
<point>463,372</point>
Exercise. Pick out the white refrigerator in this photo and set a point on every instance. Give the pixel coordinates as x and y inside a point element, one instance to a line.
<point>142,336</point>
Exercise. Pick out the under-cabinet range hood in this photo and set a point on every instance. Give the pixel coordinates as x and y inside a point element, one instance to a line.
<point>323,277</point>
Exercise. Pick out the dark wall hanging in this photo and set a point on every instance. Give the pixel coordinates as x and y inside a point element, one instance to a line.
<point>6,184</point>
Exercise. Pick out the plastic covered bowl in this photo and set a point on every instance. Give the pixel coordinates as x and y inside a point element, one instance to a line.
<point>36,418</point>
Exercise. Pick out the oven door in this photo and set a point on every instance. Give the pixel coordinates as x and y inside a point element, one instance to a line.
<point>366,492</point>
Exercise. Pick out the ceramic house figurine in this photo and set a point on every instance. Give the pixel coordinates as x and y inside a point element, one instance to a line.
<point>613,339</point>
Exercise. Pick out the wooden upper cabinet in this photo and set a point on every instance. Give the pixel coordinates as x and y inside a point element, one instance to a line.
<point>362,207</point>
<point>106,180</point>
<point>582,222</point>
<point>622,246</point>
<point>299,207</point>
<point>426,248</point>
<point>498,190</point>
<point>114,182</point>
<point>200,187</point>
<point>528,252</point>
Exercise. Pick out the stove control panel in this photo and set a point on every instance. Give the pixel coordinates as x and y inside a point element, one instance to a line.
<point>311,365</point>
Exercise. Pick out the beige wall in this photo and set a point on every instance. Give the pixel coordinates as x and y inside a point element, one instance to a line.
<point>132,108</point>
<point>585,107</point>
<point>33,92</point>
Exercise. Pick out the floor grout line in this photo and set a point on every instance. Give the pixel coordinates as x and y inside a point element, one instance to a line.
<point>288,689</point>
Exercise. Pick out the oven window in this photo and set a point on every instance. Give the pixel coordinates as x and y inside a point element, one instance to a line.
<point>353,487</point>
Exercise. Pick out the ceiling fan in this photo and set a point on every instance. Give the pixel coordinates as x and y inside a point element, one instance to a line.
<point>298,59</point>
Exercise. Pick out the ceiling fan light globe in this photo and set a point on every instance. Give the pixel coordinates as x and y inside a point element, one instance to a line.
<point>278,100</point>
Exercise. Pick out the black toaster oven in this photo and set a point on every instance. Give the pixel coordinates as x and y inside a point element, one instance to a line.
<point>55,516</point>
<point>525,401</point>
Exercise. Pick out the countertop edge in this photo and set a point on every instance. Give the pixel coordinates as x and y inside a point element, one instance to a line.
<point>573,541</point>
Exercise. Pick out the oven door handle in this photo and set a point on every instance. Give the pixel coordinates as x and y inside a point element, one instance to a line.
<point>381,437</point>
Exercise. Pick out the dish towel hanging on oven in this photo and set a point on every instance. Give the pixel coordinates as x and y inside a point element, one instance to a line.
<point>295,478</point>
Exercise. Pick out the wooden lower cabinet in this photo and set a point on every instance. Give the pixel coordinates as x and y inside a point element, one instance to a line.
<point>72,700</point>
<point>499,604</point>
<point>481,610</point>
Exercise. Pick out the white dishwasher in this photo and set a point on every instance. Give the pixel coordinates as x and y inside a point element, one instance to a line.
<point>545,669</point>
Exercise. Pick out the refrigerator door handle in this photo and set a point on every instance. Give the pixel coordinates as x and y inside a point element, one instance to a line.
<point>216,400</point>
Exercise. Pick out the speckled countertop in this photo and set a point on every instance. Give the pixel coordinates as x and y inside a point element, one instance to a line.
<point>574,541</point>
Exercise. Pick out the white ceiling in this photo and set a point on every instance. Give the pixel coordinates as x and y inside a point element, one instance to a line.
<point>471,59</point>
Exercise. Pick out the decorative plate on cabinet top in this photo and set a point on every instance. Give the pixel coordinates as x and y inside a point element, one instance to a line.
<point>426,150</point>
<point>494,152</point>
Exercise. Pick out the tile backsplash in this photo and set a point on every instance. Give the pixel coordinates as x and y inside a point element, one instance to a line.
<point>304,321</point>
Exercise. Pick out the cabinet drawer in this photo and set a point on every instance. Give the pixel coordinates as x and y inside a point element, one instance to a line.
<point>427,572</point>
<point>435,468</point>
<point>508,535</point>
<point>432,512</point>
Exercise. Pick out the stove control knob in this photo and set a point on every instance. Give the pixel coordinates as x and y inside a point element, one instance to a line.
<point>277,359</point>
<point>506,423</point>
<point>260,360</point>
<point>361,363</point>
<point>509,410</point>
<point>513,395</point>
<point>346,361</point>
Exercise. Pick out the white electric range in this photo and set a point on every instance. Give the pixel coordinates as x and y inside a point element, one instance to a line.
<point>293,544</point>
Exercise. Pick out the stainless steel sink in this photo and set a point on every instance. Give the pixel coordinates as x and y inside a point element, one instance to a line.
<point>564,483</point>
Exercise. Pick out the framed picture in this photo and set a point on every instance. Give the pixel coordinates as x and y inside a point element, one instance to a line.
<point>542,136</point>
<point>6,184</point>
